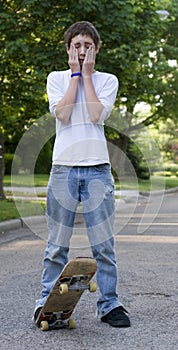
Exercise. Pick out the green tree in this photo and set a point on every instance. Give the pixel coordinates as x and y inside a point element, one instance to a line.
<point>2,195</point>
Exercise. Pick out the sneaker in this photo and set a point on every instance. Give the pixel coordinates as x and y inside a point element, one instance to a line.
<point>36,313</point>
<point>117,317</point>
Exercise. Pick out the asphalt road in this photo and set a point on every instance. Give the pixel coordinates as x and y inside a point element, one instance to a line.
<point>146,236</point>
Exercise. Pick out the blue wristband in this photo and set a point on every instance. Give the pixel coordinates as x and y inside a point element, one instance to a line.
<point>76,74</point>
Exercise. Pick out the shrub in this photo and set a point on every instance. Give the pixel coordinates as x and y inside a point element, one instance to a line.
<point>9,158</point>
<point>44,160</point>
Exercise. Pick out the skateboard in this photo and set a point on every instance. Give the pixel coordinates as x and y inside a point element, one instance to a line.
<point>74,279</point>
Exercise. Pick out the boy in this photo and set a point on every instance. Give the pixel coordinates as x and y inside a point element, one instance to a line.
<point>80,99</point>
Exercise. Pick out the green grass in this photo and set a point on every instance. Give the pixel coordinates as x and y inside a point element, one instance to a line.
<point>26,180</point>
<point>155,183</point>
<point>171,182</point>
<point>12,210</point>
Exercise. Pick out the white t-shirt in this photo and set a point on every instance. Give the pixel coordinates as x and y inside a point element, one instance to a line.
<point>80,141</point>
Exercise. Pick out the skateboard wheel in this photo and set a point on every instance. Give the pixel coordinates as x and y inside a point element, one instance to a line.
<point>72,323</point>
<point>92,286</point>
<point>44,325</point>
<point>63,289</point>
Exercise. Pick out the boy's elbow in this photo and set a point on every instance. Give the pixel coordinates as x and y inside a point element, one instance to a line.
<point>62,117</point>
<point>95,115</point>
<point>95,118</point>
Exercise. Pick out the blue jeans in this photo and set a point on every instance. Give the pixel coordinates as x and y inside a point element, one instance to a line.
<point>94,187</point>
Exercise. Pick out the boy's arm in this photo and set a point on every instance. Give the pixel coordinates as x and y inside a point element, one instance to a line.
<point>65,105</point>
<point>94,105</point>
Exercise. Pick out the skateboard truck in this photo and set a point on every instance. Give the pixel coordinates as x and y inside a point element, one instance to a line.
<point>57,323</point>
<point>77,283</point>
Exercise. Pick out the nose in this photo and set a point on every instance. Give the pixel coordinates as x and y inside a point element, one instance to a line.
<point>82,50</point>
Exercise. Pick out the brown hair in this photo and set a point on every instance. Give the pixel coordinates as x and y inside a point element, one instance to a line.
<point>83,28</point>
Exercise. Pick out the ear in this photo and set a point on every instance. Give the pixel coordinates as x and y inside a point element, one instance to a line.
<point>97,49</point>
<point>67,48</point>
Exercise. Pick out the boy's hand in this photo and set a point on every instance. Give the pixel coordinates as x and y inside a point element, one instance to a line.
<point>73,59</point>
<point>89,62</point>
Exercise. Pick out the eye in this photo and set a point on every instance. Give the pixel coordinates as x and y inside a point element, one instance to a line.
<point>87,45</point>
<point>77,46</point>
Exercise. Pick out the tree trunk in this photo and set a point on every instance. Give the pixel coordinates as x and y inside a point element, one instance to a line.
<point>2,168</point>
<point>117,152</point>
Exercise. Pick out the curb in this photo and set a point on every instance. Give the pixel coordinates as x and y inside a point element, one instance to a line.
<point>158,192</point>
<point>15,224</point>
<point>10,224</point>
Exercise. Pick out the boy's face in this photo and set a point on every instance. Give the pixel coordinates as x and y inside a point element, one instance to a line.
<point>82,44</point>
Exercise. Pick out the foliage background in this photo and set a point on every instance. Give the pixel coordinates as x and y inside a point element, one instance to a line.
<point>136,46</point>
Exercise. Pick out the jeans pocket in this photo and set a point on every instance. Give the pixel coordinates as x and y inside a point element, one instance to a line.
<point>56,169</point>
<point>102,167</point>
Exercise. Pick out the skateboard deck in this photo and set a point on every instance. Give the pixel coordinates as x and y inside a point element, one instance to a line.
<point>66,292</point>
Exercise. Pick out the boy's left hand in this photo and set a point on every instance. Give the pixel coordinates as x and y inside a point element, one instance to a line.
<point>89,61</point>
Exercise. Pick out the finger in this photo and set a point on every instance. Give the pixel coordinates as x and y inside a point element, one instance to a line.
<point>89,54</point>
<point>93,51</point>
<point>71,52</point>
<point>89,57</point>
<point>75,54</point>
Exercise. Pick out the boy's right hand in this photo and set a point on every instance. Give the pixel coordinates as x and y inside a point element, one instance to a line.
<point>73,59</point>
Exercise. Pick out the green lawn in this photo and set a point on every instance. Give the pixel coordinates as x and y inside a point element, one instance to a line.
<point>11,210</point>
<point>155,183</point>
<point>20,208</point>
<point>26,180</point>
